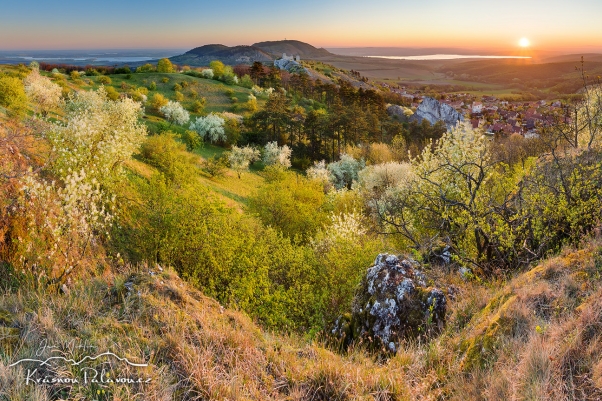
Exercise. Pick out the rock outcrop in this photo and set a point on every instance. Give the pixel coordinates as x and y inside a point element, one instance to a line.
<point>393,302</point>
<point>289,65</point>
<point>432,110</point>
<point>398,111</point>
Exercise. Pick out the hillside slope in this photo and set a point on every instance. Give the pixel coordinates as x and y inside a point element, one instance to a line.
<point>194,348</point>
<point>537,336</point>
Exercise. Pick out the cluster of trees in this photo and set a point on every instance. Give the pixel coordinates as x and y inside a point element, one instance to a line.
<point>319,120</point>
<point>494,205</point>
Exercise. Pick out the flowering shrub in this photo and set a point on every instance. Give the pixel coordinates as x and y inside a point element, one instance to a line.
<point>319,172</point>
<point>61,223</point>
<point>42,91</point>
<point>345,171</point>
<point>346,226</point>
<point>226,115</point>
<point>260,92</point>
<point>251,104</point>
<point>241,158</point>
<point>98,135</point>
<point>210,128</point>
<point>207,73</point>
<point>378,177</point>
<point>273,155</point>
<point>175,113</point>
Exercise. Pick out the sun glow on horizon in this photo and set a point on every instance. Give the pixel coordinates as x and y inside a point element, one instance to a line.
<point>524,42</point>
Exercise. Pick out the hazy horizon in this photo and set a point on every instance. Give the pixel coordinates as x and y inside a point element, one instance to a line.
<point>70,25</point>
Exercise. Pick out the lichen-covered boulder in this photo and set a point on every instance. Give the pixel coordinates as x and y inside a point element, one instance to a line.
<point>393,302</point>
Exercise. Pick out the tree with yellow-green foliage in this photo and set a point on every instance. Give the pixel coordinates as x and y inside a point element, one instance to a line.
<point>148,67</point>
<point>112,93</point>
<point>218,68</point>
<point>158,101</point>
<point>164,65</point>
<point>292,204</point>
<point>12,95</point>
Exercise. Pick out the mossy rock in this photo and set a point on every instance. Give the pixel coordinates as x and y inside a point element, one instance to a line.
<point>393,302</point>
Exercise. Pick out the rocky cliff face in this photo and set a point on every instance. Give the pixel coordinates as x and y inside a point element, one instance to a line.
<point>432,110</point>
<point>392,303</point>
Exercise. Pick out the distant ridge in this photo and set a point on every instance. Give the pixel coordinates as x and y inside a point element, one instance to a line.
<point>575,58</point>
<point>292,47</point>
<point>203,55</point>
<point>265,52</point>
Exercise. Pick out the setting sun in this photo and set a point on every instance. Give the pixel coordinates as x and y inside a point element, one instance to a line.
<point>524,42</point>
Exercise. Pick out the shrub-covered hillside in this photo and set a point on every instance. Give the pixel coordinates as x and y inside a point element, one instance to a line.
<point>209,247</point>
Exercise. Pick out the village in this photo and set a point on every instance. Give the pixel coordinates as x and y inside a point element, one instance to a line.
<point>496,116</point>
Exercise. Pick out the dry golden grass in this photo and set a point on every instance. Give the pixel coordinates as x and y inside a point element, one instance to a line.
<point>536,337</point>
<point>195,348</point>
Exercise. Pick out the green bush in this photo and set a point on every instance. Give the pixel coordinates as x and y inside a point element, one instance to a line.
<point>103,79</point>
<point>148,67</point>
<point>292,204</point>
<point>168,155</point>
<point>112,93</point>
<point>165,65</point>
<point>215,166</point>
<point>246,82</point>
<point>228,256</point>
<point>198,106</point>
<point>12,95</point>
<point>561,202</point>
<point>192,140</point>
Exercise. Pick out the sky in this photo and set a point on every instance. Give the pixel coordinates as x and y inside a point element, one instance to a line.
<point>478,24</point>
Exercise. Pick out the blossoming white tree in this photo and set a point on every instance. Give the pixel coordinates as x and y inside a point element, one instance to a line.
<point>175,113</point>
<point>207,73</point>
<point>319,172</point>
<point>98,135</point>
<point>65,218</point>
<point>210,127</point>
<point>42,91</point>
<point>376,178</point>
<point>241,158</point>
<point>345,171</point>
<point>274,155</point>
<point>450,197</point>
